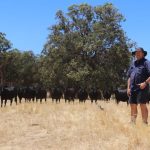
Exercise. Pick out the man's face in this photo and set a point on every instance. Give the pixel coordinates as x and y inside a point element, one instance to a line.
<point>139,54</point>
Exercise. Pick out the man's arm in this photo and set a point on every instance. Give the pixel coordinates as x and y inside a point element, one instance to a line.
<point>147,81</point>
<point>128,87</point>
<point>147,64</point>
<point>128,84</point>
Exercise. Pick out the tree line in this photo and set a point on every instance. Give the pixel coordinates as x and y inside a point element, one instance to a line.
<point>86,47</point>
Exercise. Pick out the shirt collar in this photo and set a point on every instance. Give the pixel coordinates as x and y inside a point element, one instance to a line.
<point>140,61</point>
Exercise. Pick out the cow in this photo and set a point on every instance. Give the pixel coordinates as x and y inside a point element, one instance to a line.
<point>106,95</point>
<point>82,95</point>
<point>94,94</point>
<point>56,94</point>
<point>69,94</point>
<point>8,93</point>
<point>40,93</point>
<point>21,93</point>
<point>121,95</point>
<point>28,93</point>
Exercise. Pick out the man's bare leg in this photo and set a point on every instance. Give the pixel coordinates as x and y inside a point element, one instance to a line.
<point>133,112</point>
<point>144,112</point>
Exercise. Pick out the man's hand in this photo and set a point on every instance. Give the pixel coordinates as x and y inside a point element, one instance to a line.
<point>142,85</point>
<point>128,91</point>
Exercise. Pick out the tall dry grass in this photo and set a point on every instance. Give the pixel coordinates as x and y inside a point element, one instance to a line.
<point>34,126</point>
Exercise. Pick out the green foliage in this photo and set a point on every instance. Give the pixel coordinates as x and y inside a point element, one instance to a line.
<point>87,46</point>
<point>4,46</point>
<point>20,68</point>
<point>28,68</point>
<point>12,65</point>
<point>4,43</point>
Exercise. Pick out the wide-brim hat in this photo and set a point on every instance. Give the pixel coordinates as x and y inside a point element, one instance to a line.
<point>139,49</point>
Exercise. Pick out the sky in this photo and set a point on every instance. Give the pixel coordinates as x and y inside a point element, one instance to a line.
<point>26,22</point>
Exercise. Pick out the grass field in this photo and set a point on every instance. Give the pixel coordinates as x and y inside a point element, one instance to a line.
<point>35,126</point>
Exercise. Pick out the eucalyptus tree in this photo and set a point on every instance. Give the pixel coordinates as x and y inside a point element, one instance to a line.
<point>87,46</point>
<point>5,45</point>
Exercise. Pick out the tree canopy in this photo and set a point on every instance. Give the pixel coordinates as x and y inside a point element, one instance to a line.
<point>4,43</point>
<point>87,46</point>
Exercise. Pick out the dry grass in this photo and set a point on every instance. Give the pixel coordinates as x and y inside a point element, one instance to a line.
<point>31,126</point>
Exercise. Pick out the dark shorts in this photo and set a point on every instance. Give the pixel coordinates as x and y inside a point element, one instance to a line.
<point>139,97</point>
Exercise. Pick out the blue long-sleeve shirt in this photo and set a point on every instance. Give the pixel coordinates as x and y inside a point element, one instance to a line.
<point>138,72</point>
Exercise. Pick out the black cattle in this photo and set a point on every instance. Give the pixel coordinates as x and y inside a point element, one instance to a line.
<point>121,95</point>
<point>82,95</point>
<point>28,93</point>
<point>94,94</point>
<point>40,94</point>
<point>8,93</point>
<point>56,94</point>
<point>106,95</point>
<point>69,94</point>
<point>21,93</point>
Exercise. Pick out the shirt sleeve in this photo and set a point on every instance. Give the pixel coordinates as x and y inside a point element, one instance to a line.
<point>129,71</point>
<point>147,65</point>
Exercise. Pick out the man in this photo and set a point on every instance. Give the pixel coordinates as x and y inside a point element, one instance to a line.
<point>138,85</point>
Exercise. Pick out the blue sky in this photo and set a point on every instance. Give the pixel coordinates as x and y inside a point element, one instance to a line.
<point>26,22</point>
